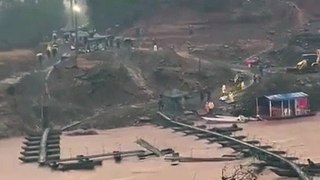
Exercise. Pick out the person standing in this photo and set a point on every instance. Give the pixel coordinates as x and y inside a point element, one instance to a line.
<point>54,51</point>
<point>155,47</point>
<point>210,107</point>
<point>260,69</point>
<point>242,85</point>
<point>208,94</point>
<point>201,95</point>
<point>49,51</point>
<point>160,103</point>
<point>190,27</point>
<point>54,36</point>
<point>224,90</point>
<point>118,43</point>
<point>40,58</point>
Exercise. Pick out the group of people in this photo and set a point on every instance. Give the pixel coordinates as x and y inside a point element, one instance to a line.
<point>52,50</point>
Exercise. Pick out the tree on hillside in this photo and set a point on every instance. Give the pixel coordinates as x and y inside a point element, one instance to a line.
<point>24,24</point>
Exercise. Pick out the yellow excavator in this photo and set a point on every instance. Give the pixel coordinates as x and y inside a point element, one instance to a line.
<point>308,64</point>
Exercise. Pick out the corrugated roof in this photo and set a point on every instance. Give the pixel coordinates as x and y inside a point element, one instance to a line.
<point>286,96</point>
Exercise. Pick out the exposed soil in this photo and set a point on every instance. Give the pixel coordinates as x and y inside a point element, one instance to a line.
<point>114,88</point>
<point>117,78</point>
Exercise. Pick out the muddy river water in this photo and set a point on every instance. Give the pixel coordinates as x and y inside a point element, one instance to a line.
<point>299,136</point>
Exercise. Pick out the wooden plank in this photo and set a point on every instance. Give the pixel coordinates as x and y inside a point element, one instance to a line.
<point>149,147</point>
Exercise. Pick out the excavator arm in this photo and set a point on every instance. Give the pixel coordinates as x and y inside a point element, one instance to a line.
<point>318,59</point>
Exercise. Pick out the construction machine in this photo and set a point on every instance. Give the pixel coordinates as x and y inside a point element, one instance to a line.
<point>308,64</point>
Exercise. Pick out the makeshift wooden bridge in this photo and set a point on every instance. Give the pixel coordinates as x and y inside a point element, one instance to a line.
<point>246,147</point>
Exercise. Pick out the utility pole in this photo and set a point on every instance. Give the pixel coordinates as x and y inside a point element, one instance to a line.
<point>72,13</point>
<point>199,66</point>
<point>76,10</point>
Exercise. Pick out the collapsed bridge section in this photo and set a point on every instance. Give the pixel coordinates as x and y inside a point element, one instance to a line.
<point>237,143</point>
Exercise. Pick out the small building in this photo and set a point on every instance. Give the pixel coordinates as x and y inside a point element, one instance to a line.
<point>282,106</point>
<point>97,42</point>
<point>174,100</point>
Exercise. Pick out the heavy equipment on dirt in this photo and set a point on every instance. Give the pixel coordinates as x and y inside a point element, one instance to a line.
<point>308,64</point>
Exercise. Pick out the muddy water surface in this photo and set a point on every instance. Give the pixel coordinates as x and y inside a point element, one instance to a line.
<point>130,168</point>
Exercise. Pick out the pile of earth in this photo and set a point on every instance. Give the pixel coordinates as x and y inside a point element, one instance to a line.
<point>106,81</point>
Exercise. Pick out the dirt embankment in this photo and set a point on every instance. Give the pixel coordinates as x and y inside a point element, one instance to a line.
<point>15,61</point>
<point>111,80</point>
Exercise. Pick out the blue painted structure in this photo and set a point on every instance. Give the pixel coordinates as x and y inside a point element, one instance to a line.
<point>282,106</point>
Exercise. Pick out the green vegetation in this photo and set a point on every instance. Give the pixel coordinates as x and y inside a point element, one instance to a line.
<point>25,24</point>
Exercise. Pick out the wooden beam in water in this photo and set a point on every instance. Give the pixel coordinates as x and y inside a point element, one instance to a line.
<point>193,159</point>
<point>35,138</point>
<point>135,152</point>
<point>34,148</point>
<point>149,147</point>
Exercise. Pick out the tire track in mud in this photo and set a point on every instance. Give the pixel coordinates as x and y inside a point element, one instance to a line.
<point>135,74</point>
<point>137,77</point>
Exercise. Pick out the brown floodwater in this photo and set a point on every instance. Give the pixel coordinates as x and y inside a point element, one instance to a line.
<point>297,136</point>
<point>133,169</point>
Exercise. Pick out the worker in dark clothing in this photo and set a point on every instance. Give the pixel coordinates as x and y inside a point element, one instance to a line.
<point>258,78</point>
<point>160,103</point>
<point>190,30</point>
<point>201,95</point>
<point>189,46</point>
<point>66,37</point>
<point>154,42</point>
<point>234,125</point>
<point>85,40</point>
<point>91,33</point>
<point>54,52</point>
<point>260,69</point>
<point>111,41</point>
<point>40,58</point>
<point>118,43</point>
<point>254,78</point>
<point>208,95</point>
<point>48,53</point>
<point>311,163</point>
